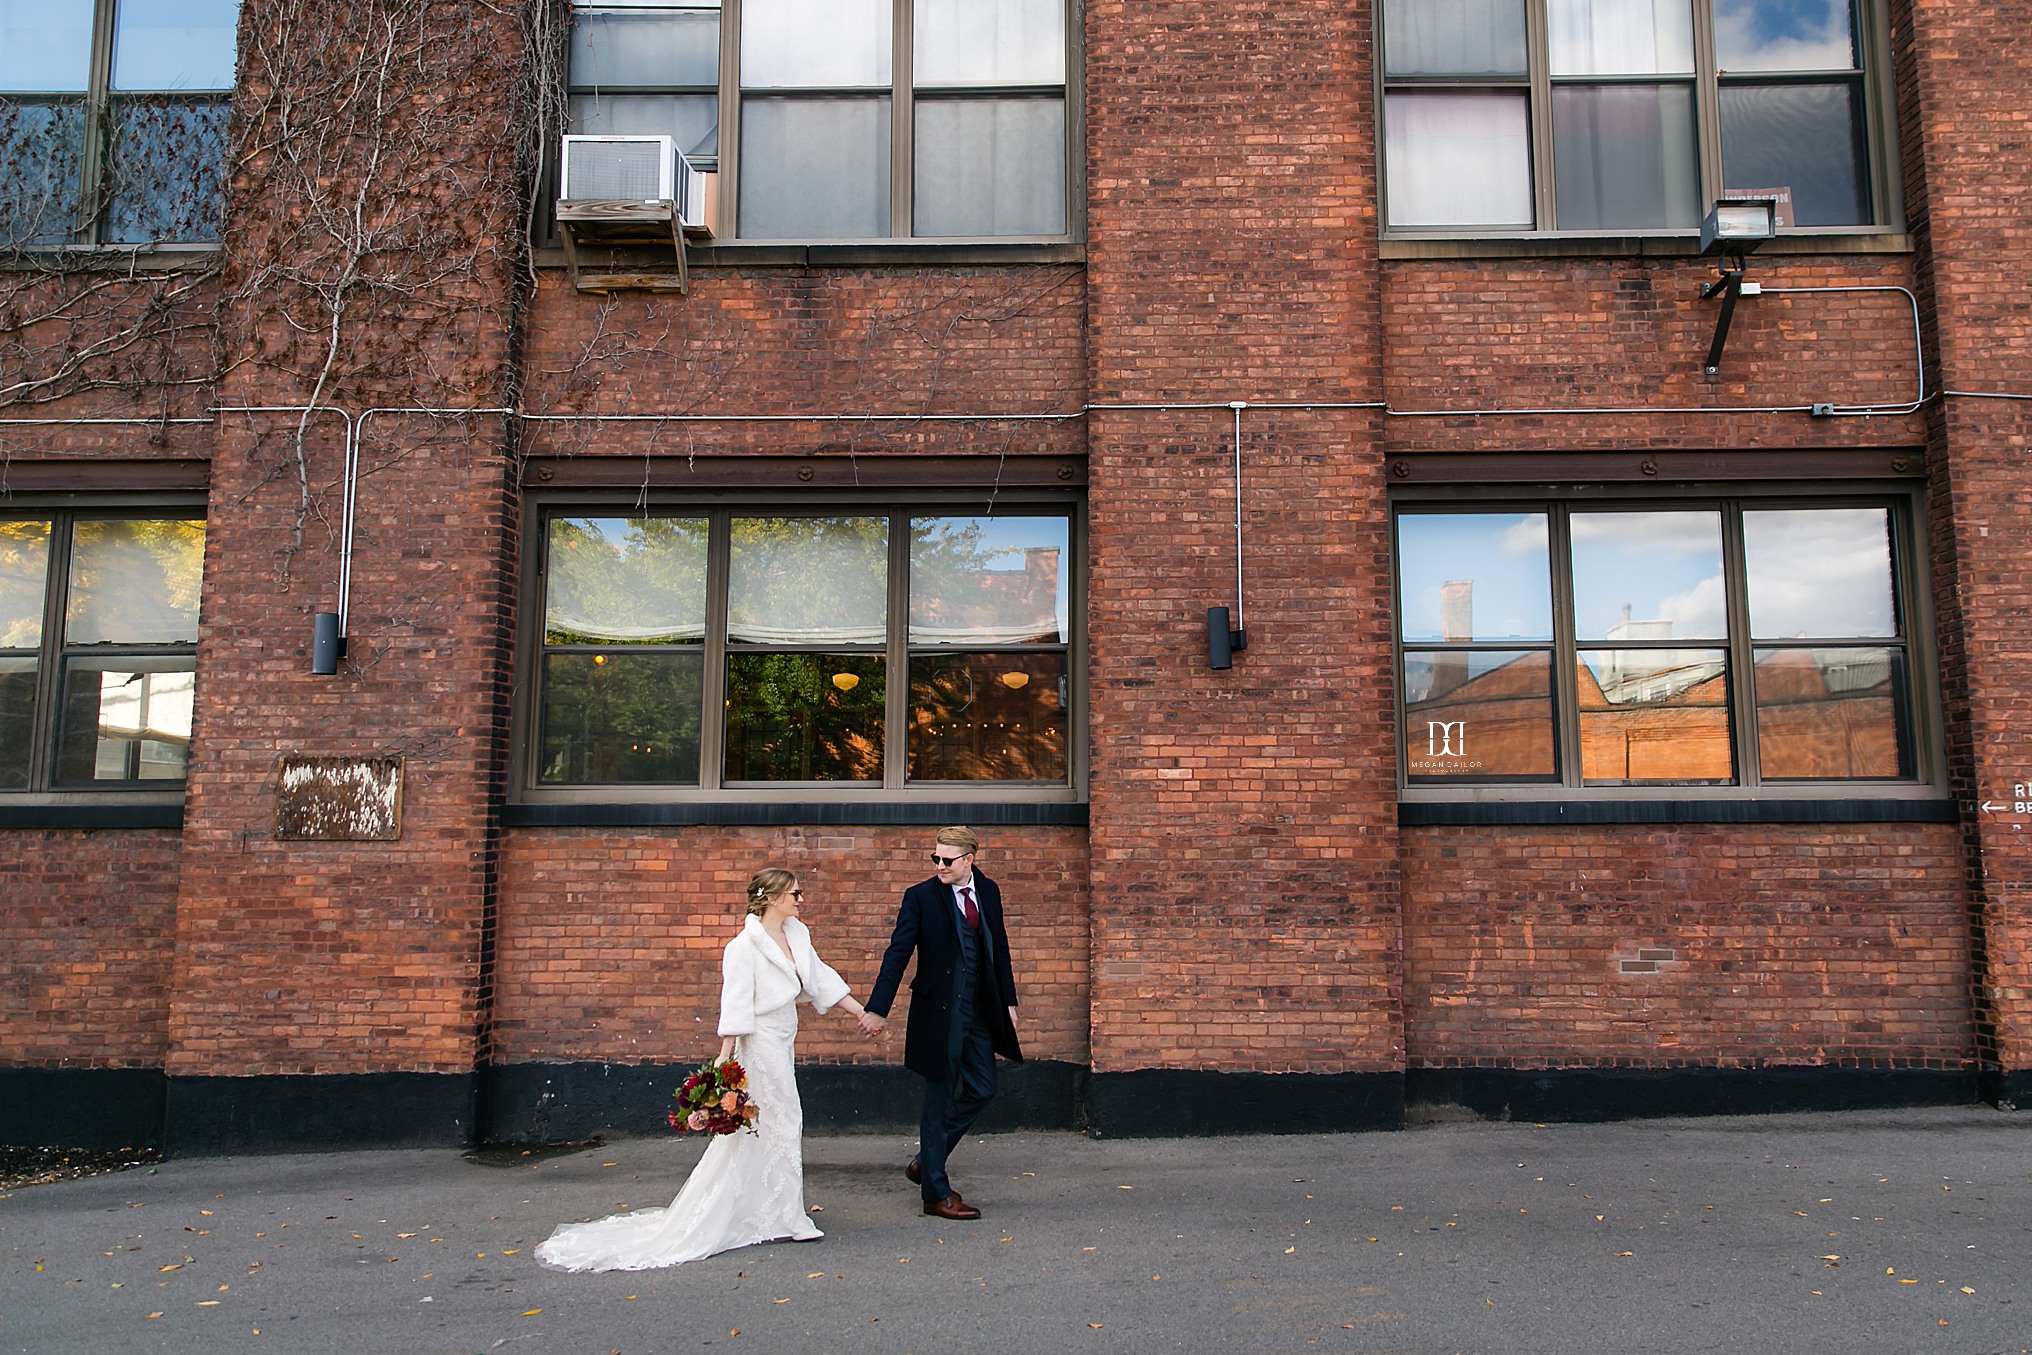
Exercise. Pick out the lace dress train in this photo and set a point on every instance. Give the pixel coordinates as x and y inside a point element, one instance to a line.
<point>748,1188</point>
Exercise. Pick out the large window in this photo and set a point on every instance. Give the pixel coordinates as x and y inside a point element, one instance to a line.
<point>113,120</point>
<point>845,119</point>
<point>1574,116</point>
<point>98,642</point>
<point>1734,643</point>
<point>848,649</point>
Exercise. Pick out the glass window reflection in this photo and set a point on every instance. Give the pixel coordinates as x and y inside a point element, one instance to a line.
<point>1474,576</point>
<point>1833,714</point>
<point>1655,715</point>
<point>804,717</point>
<point>1479,715</point>
<point>1819,572</point>
<point>1453,37</point>
<point>991,581</point>
<point>134,581</point>
<point>24,581</point>
<point>988,717</point>
<point>1648,576</point>
<point>1784,35</point>
<point>626,581</point>
<point>809,581</point>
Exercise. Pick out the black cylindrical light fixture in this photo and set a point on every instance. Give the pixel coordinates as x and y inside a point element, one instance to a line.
<point>1219,639</point>
<point>327,646</point>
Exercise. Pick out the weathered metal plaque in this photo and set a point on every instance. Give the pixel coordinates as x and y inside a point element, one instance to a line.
<point>339,799</point>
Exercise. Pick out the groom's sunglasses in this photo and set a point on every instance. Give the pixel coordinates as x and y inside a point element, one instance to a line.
<point>943,861</point>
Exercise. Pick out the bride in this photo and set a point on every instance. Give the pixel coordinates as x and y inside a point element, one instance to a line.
<point>749,1187</point>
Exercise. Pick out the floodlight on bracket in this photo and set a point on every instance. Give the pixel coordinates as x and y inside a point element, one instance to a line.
<point>1732,229</point>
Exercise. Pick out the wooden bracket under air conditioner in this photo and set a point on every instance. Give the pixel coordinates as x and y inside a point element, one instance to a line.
<point>624,222</point>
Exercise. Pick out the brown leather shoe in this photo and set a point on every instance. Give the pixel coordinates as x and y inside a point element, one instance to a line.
<point>951,1207</point>
<point>910,1169</point>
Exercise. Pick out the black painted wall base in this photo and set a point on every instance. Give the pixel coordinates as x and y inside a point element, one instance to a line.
<point>565,1102</point>
<point>299,1114</point>
<point>1595,1095</point>
<point>1186,1103</point>
<point>91,1108</point>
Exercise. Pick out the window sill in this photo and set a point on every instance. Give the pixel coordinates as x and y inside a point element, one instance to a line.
<point>166,258</point>
<point>43,814</point>
<point>849,254</point>
<point>1520,813</point>
<point>1676,246</point>
<point>783,813</point>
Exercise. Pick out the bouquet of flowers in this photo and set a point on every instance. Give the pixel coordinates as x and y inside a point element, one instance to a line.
<point>715,1100</point>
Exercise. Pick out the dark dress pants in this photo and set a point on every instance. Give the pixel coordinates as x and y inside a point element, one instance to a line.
<point>952,1106</point>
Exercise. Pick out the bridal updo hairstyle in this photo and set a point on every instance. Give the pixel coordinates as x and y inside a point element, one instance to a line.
<point>769,883</point>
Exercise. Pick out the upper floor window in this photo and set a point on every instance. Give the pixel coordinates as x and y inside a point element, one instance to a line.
<point>1598,644</point>
<point>835,646</point>
<point>845,119</point>
<point>98,649</point>
<point>1505,117</point>
<point>113,120</point>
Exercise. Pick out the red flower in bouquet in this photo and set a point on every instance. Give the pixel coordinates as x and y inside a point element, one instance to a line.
<point>715,1100</point>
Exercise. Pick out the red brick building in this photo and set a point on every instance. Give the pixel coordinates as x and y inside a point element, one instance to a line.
<point>1628,719</point>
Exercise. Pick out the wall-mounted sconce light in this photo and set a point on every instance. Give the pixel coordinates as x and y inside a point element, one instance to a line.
<point>1221,640</point>
<point>1015,681</point>
<point>327,645</point>
<point>846,682</point>
<point>1733,228</point>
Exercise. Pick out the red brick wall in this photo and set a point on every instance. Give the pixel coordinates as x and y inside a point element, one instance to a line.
<point>1968,164</point>
<point>1244,860</point>
<point>1712,946</point>
<point>610,939</point>
<point>85,947</point>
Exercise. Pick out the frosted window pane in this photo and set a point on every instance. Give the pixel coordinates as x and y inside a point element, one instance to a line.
<point>1785,35</point>
<point>1459,159</point>
<point>1453,37</point>
<point>646,48</point>
<point>990,167</point>
<point>814,169</point>
<point>1623,156</point>
<point>814,44</point>
<point>45,46</point>
<point>1621,37</point>
<point>175,44</point>
<point>692,120</point>
<point>989,42</point>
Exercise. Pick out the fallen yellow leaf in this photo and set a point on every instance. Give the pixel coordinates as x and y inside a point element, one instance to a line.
<point>1289,1250</point>
<point>155,1315</point>
<point>532,1312</point>
<point>1966,1290</point>
<point>175,1265</point>
<point>209,1303</point>
<point>816,1275</point>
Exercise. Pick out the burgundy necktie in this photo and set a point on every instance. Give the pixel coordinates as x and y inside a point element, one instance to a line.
<point>967,906</point>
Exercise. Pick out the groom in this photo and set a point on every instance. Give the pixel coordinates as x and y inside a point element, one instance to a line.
<point>962,1007</point>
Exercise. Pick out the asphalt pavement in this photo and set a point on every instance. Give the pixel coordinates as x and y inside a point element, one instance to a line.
<point>1893,1232</point>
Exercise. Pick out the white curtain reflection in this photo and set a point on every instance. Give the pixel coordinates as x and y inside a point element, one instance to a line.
<point>815,44</point>
<point>989,42</point>
<point>814,169</point>
<point>1459,159</point>
<point>1621,37</point>
<point>990,167</point>
<point>1453,37</point>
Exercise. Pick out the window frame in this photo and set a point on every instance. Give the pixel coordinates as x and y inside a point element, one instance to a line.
<point>101,103</point>
<point>714,788</point>
<point>1878,112</point>
<point>901,96</point>
<point>54,650</point>
<point>1911,594</point>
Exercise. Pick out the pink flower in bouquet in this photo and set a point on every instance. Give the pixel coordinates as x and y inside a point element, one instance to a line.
<point>731,1102</point>
<point>695,1120</point>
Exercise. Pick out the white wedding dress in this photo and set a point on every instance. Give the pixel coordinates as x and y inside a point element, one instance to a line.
<point>748,1188</point>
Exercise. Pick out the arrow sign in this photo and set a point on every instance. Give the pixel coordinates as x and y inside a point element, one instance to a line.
<point>1987,806</point>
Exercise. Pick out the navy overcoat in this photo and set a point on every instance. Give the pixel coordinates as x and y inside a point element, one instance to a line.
<point>928,924</point>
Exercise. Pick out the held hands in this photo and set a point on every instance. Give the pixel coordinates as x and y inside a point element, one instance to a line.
<point>871,1024</point>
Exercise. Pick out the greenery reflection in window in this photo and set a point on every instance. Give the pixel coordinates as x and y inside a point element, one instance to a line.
<point>1730,643</point>
<point>787,628</point>
<point>103,698</point>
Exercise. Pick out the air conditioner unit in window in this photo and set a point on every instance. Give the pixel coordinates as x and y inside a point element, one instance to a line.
<point>641,169</point>
<point>623,190</point>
